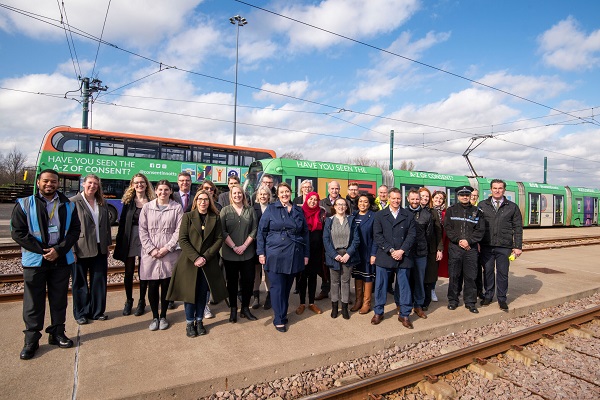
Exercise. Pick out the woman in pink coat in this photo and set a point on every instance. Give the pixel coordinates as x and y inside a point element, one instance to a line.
<point>159,233</point>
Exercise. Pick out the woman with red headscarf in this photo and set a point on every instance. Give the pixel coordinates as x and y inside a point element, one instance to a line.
<point>315,217</point>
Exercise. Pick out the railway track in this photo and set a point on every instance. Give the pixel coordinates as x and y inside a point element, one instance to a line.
<point>12,252</point>
<point>425,373</point>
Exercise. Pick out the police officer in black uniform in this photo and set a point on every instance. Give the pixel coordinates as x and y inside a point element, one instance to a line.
<point>464,227</point>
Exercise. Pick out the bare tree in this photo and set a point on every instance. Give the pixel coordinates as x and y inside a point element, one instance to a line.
<point>14,163</point>
<point>407,165</point>
<point>293,155</point>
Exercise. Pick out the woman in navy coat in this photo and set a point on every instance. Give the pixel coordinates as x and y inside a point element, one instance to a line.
<point>364,272</point>
<point>282,246</point>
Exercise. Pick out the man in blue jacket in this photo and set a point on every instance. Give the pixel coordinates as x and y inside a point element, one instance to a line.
<point>394,233</point>
<point>46,226</point>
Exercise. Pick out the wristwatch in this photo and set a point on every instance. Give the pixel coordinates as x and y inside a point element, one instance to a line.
<point>391,250</point>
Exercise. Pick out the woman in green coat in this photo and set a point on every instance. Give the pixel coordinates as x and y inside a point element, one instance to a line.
<point>200,239</point>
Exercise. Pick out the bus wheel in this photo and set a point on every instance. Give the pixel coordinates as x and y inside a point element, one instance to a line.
<point>112,215</point>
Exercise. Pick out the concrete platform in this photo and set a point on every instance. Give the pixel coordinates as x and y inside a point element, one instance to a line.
<point>121,358</point>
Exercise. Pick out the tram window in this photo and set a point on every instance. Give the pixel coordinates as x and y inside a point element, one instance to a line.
<point>70,142</point>
<point>106,146</point>
<point>142,149</point>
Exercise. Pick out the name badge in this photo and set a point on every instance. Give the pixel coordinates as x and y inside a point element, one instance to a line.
<point>52,229</point>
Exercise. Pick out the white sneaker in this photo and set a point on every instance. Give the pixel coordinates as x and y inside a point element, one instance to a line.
<point>433,295</point>
<point>207,313</point>
<point>154,325</point>
<point>164,324</point>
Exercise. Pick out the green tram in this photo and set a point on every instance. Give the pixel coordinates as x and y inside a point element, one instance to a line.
<point>542,205</point>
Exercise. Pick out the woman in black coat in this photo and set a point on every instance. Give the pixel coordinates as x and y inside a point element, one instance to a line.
<point>128,245</point>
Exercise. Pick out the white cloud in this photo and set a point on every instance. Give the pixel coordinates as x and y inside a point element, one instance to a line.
<point>295,89</point>
<point>138,23</point>
<point>353,18</point>
<point>538,87</point>
<point>565,46</point>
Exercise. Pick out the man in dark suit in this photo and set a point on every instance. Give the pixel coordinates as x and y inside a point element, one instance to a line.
<point>184,196</point>
<point>394,233</point>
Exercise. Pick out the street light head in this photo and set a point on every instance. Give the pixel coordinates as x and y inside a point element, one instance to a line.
<point>239,20</point>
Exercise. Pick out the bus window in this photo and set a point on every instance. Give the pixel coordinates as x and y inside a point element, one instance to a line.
<point>225,157</point>
<point>106,146</point>
<point>70,142</point>
<point>173,153</point>
<point>142,149</point>
<point>201,155</point>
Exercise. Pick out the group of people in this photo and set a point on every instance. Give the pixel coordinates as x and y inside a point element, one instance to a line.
<point>197,247</point>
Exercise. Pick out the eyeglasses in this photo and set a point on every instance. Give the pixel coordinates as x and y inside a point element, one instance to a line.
<point>203,200</point>
<point>210,189</point>
<point>139,183</point>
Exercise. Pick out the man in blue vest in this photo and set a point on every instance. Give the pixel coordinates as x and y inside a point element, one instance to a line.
<point>46,226</point>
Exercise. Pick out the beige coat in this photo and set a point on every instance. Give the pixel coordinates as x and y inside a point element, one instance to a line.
<point>158,229</point>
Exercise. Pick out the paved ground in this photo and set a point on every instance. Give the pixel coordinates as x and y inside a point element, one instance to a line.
<point>120,358</point>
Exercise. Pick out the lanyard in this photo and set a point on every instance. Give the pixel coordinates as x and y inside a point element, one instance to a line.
<point>53,210</point>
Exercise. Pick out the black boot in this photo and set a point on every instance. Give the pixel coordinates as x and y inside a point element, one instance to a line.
<point>128,306</point>
<point>267,305</point>
<point>141,308</point>
<point>256,301</point>
<point>190,329</point>
<point>334,309</point>
<point>233,315</point>
<point>245,313</point>
<point>345,311</point>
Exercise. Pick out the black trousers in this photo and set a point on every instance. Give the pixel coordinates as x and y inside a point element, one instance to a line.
<point>89,298</point>
<point>496,263</point>
<point>155,287</point>
<point>128,281</point>
<point>55,278</point>
<point>462,262</point>
<point>242,273</point>
<point>307,278</point>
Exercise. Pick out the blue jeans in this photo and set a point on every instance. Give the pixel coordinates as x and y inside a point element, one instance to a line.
<point>402,292</point>
<point>195,311</point>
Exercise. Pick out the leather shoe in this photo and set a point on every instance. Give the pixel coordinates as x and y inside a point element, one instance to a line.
<point>282,328</point>
<point>245,313</point>
<point>377,318</point>
<point>473,309</point>
<point>60,340</point>
<point>171,305</point>
<point>300,309</point>
<point>81,321</point>
<point>420,313</point>
<point>405,322</point>
<point>315,309</point>
<point>451,307</point>
<point>101,317</point>
<point>322,295</point>
<point>485,302</point>
<point>503,305</point>
<point>29,350</point>
<point>200,329</point>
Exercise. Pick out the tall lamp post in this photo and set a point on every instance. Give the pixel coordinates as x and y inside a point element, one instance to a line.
<point>237,20</point>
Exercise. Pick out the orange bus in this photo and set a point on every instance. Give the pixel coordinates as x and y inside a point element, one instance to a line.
<point>115,157</point>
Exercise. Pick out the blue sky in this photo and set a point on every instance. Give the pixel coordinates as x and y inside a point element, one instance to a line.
<point>346,95</point>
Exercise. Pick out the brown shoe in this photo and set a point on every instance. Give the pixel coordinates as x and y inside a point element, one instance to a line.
<point>300,309</point>
<point>377,318</point>
<point>420,313</point>
<point>315,309</point>
<point>322,295</point>
<point>358,284</point>
<point>405,322</point>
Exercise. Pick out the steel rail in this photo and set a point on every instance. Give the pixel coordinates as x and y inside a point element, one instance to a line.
<point>394,380</point>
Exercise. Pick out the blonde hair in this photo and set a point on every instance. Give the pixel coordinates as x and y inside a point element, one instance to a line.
<point>130,191</point>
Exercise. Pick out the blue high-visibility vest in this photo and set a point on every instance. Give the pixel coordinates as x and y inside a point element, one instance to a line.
<point>29,207</point>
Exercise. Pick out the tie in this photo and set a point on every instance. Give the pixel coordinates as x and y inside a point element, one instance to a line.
<point>184,201</point>
<point>496,204</point>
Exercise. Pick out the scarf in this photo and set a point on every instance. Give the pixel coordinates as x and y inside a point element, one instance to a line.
<point>312,214</point>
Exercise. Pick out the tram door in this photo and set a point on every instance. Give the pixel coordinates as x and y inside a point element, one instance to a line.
<point>595,211</point>
<point>558,209</point>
